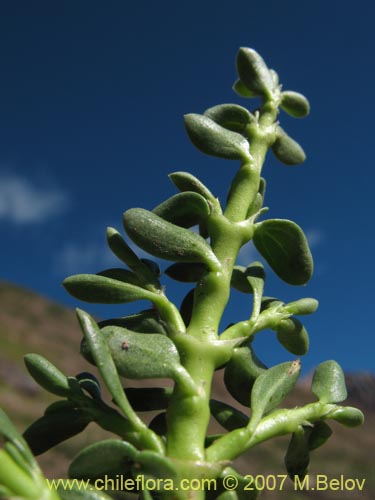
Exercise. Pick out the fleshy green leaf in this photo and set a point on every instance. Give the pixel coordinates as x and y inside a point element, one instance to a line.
<point>165,240</point>
<point>47,375</point>
<point>55,427</point>
<point>328,383</point>
<point>241,89</point>
<point>293,336</point>
<point>103,290</point>
<point>286,149</point>
<point>302,306</point>
<point>214,140</point>
<point>271,387</point>
<point>100,352</point>
<point>140,356</point>
<point>230,116</point>
<point>227,416</point>
<point>184,209</point>
<point>284,246</point>
<point>122,250</point>
<point>10,434</point>
<point>105,458</point>
<point>241,372</point>
<point>121,274</point>
<point>295,104</point>
<point>348,416</point>
<point>185,181</point>
<point>253,72</point>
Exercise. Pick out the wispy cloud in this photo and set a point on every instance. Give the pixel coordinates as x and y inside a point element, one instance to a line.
<point>92,257</point>
<point>75,258</point>
<point>247,255</point>
<point>25,202</point>
<point>315,237</point>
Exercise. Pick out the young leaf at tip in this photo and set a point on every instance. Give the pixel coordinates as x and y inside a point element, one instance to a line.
<point>254,73</point>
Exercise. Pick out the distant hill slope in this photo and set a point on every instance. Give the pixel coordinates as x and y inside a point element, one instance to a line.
<point>31,323</point>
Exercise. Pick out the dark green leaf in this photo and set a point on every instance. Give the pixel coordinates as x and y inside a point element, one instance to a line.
<point>286,149</point>
<point>293,336</point>
<point>284,246</point>
<point>146,321</point>
<point>185,209</point>
<point>239,281</point>
<point>47,375</point>
<point>253,72</point>
<point>271,387</point>
<point>294,104</point>
<point>227,416</point>
<point>153,266</point>
<point>328,383</point>
<point>159,424</point>
<point>186,272</point>
<point>54,428</point>
<point>230,116</point>
<point>148,398</point>
<point>102,290</point>
<point>214,140</point>
<point>186,307</point>
<point>241,372</point>
<point>165,240</point>
<point>297,457</point>
<point>90,384</point>
<point>105,458</point>
<point>318,434</point>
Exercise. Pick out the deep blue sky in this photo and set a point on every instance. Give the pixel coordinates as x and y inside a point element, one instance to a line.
<point>92,95</point>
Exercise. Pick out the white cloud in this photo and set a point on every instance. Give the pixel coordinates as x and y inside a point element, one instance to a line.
<point>22,202</point>
<point>247,255</point>
<point>92,257</point>
<point>76,258</point>
<point>315,237</point>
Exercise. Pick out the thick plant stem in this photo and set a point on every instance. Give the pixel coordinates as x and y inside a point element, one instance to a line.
<point>188,415</point>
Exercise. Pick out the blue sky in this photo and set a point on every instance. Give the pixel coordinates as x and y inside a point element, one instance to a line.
<point>92,96</point>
